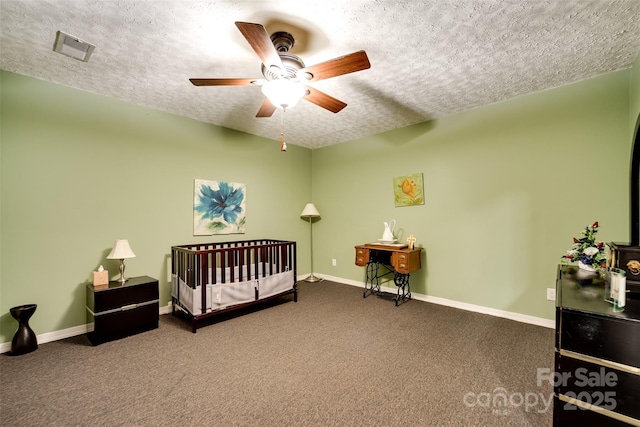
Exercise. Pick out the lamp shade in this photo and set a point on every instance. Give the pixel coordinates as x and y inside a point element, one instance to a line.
<point>283,93</point>
<point>121,250</point>
<point>310,211</point>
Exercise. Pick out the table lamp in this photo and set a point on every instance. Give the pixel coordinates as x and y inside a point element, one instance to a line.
<point>121,250</point>
<point>311,212</point>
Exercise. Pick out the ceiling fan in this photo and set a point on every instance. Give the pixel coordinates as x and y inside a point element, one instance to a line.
<point>286,77</point>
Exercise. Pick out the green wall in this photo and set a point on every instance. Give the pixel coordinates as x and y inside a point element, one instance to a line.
<point>507,186</point>
<point>81,170</point>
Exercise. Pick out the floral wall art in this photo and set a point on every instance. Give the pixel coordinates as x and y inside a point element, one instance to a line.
<point>218,207</point>
<point>408,190</point>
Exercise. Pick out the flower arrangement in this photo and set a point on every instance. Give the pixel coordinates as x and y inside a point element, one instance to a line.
<point>587,251</point>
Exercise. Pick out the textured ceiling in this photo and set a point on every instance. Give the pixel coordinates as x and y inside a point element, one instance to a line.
<point>429,58</point>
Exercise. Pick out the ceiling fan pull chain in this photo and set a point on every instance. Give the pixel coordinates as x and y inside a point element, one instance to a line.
<point>283,144</point>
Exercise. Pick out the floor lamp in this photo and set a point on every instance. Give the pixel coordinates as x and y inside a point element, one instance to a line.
<point>311,212</point>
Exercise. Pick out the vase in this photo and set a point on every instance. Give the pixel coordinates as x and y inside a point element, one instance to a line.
<point>25,340</point>
<point>586,267</point>
<point>586,274</point>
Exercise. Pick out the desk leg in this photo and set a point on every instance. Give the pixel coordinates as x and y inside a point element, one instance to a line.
<point>371,284</point>
<point>402,282</point>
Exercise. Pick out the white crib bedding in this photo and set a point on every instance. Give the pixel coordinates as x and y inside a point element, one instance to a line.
<point>275,284</point>
<point>236,273</point>
<point>222,295</point>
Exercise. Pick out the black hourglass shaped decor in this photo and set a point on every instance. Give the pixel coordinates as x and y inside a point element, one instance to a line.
<point>24,341</point>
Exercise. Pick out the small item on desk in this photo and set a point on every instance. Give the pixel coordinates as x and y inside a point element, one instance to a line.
<point>387,236</point>
<point>616,288</point>
<point>393,245</point>
<point>100,277</point>
<point>411,240</point>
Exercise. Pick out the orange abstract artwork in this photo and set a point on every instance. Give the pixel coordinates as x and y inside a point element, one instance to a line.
<point>408,190</point>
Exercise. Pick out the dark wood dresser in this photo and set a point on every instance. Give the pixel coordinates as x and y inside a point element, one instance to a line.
<point>119,310</point>
<point>597,355</point>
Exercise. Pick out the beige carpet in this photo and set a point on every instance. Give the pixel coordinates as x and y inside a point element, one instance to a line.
<point>332,358</point>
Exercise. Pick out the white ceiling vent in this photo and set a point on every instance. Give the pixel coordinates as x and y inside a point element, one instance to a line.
<point>72,46</point>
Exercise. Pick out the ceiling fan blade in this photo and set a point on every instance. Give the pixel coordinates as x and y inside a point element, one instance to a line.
<point>261,43</point>
<point>323,100</point>
<point>222,82</point>
<point>346,64</point>
<point>266,109</point>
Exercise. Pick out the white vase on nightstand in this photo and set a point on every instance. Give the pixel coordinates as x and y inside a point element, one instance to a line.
<point>585,267</point>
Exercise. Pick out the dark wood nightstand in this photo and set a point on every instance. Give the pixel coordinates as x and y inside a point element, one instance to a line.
<point>118,310</point>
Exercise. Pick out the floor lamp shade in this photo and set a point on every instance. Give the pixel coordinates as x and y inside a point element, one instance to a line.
<point>310,212</point>
<point>121,250</point>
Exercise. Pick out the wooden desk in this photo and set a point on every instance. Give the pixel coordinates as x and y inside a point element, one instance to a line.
<point>380,260</point>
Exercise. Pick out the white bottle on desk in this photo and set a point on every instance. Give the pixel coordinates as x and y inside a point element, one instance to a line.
<point>618,289</point>
<point>622,291</point>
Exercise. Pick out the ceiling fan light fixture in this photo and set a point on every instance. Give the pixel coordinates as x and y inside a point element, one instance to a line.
<point>283,93</point>
<point>303,75</point>
<point>285,74</point>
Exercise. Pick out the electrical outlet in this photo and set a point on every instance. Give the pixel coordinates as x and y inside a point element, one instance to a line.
<point>333,262</point>
<point>551,294</point>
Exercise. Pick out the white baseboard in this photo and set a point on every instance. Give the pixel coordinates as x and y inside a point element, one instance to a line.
<point>518,317</point>
<point>166,309</point>
<point>54,336</point>
<point>68,333</point>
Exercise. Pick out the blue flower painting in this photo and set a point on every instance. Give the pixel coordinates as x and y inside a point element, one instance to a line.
<point>218,207</point>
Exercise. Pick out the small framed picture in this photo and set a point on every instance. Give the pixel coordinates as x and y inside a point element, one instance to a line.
<point>408,190</point>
